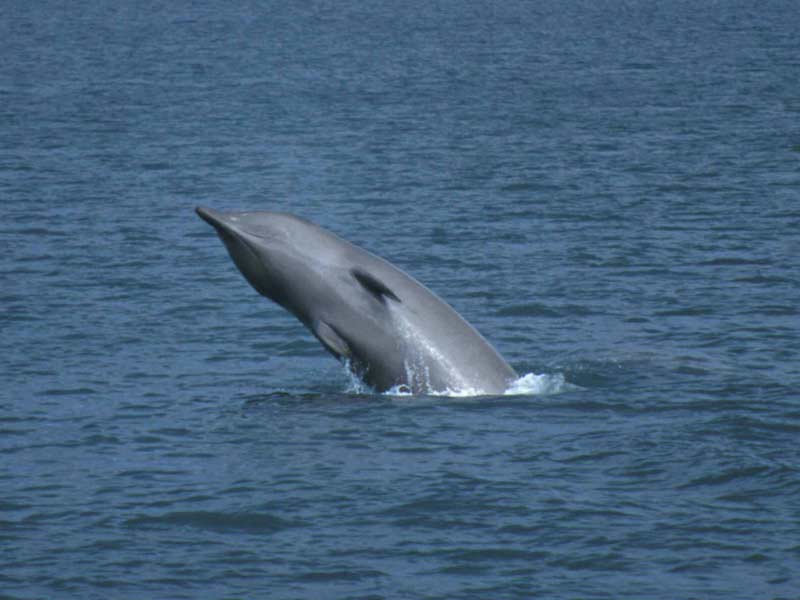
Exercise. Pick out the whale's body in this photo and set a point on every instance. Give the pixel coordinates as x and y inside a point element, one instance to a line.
<point>393,332</point>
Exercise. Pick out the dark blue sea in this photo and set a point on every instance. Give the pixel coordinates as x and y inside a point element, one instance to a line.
<point>608,191</point>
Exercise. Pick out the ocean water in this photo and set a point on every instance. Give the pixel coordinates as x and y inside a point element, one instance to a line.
<point>609,192</point>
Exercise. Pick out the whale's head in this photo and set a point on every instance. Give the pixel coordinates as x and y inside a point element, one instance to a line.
<point>269,248</point>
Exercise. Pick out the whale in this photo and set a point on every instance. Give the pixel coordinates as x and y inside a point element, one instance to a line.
<point>390,330</point>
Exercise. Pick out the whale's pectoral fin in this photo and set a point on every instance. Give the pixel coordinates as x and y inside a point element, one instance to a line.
<point>331,340</point>
<point>374,285</point>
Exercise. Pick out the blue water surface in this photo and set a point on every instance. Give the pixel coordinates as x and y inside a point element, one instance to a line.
<point>609,192</point>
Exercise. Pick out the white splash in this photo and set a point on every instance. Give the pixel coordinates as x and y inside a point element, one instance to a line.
<point>531,384</point>
<point>355,384</point>
<point>405,391</point>
<point>543,384</point>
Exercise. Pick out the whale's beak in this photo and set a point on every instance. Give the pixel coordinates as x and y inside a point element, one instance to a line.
<point>226,230</point>
<point>210,216</point>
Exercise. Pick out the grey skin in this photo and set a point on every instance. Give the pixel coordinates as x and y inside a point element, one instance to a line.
<point>392,331</point>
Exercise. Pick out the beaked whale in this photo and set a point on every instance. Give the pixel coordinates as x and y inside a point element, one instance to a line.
<point>391,331</point>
